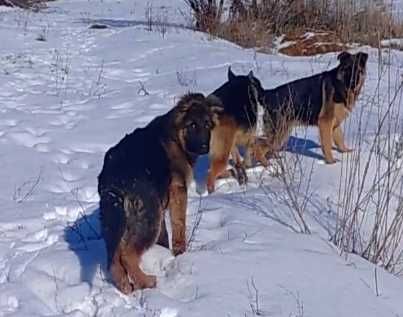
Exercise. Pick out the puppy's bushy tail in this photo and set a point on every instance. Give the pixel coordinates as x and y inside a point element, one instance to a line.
<point>143,217</point>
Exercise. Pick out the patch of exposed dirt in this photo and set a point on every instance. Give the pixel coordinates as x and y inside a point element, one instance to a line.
<point>310,43</point>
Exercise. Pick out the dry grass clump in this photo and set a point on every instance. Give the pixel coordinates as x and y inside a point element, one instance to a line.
<point>252,23</point>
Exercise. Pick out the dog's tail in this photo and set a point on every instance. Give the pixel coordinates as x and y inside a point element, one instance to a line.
<point>131,217</point>
<point>113,221</point>
<point>143,214</point>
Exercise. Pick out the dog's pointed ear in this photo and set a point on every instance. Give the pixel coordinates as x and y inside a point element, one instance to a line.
<point>216,108</point>
<point>251,75</point>
<point>343,56</point>
<point>231,75</point>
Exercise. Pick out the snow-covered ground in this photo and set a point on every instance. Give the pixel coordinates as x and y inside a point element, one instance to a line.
<point>68,93</point>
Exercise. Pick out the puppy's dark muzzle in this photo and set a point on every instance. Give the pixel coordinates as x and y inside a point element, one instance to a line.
<point>203,149</point>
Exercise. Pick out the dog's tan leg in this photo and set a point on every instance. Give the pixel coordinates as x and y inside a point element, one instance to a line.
<point>277,137</point>
<point>260,151</point>
<point>226,174</point>
<point>177,208</point>
<point>326,138</point>
<point>338,138</point>
<point>119,274</point>
<point>249,150</point>
<point>131,260</point>
<point>223,139</point>
<point>236,156</point>
<point>327,121</point>
<point>239,170</point>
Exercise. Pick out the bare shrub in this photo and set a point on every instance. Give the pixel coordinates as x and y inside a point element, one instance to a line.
<point>254,298</point>
<point>24,191</point>
<point>254,23</point>
<point>187,79</point>
<point>370,197</point>
<point>297,187</point>
<point>207,13</point>
<point>292,170</point>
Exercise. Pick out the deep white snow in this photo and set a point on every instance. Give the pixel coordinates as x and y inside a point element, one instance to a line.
<point>67,99</point>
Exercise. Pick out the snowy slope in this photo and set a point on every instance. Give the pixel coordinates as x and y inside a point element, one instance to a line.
<point>67,99</point>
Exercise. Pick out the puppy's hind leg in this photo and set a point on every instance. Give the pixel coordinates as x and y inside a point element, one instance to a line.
<point>143,222</point>
<point>131,260</point>
<point>119,274</point>
<point>113,226</point>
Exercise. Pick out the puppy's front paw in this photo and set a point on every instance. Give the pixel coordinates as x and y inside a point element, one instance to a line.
<point>179,248</point>
<point>148,281</point>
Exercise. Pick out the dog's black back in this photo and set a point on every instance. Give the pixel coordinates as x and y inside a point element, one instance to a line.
<point>298,99</point>
<point>239,97</point>
<point>302,100</point>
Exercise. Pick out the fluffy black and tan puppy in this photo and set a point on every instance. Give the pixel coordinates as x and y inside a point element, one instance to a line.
<point>239,98</point>
<point>146,172</point>
<point>324,100</point>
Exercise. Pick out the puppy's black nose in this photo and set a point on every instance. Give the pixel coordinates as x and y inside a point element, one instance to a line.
<point>204,146</point>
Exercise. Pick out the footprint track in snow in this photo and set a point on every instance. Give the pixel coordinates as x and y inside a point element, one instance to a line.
<point>9,123</point>
<point>69,120</point>
<point>64,213</point>
<point>28,139</point>
<point>61,158</point>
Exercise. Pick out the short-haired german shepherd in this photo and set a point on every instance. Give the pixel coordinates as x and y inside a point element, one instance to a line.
<point>239,98</point>
<point>146,172</point>
<point>324,99</point>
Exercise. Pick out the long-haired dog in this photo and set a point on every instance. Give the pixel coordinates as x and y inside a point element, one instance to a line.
<point>146,172</point>
<point>324,100</point>
<point>239,98</point>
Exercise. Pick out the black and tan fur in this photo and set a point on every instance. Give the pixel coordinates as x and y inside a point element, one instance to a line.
<point>239,98</point>
<point>324,100</point>
<point>146,172</point>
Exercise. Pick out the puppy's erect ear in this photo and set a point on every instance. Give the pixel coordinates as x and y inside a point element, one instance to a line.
<point>251,75</point>
<point>186,100</point>
<point>343,56</point>
<point>231,75</point>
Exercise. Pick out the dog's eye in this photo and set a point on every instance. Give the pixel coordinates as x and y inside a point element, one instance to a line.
<point>207,125</point>
<point>192,125</point>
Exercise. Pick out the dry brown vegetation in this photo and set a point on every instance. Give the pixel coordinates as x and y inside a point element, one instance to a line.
<point>252,23</point>
<point>25,4</point>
